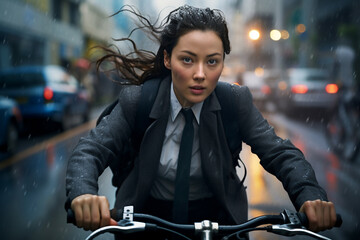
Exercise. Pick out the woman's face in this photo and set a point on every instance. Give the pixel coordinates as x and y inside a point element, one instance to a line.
<point>196,63</point>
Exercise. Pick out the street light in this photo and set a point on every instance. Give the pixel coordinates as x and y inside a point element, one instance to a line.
<point>285,34</point>
<point>275,35</point>
<point>300,28</point>
<point>254,34</point>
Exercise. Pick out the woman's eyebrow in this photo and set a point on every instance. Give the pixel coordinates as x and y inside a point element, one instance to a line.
<point>193,54</point>
<point>214,54</point>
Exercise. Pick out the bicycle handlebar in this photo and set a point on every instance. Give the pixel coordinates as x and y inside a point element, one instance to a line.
<point>287,223</point>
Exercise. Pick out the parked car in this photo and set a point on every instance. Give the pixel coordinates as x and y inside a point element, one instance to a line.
<point>46,94</point>
<point>307,88</point>
<point>10,125</point>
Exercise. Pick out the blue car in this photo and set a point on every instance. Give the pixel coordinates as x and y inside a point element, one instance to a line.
<point>46,94</point>
<point>10,125</point>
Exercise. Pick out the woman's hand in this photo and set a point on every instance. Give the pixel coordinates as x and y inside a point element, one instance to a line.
<point>92,212</point>
<point>321,214</point>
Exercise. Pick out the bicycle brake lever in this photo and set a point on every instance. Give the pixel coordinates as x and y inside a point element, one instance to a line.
<point>286,231</point>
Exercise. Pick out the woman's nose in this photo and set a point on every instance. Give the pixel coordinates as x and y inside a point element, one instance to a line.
<point>199,72</point>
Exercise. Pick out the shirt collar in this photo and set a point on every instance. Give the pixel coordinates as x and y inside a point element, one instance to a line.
<point>176,106</point>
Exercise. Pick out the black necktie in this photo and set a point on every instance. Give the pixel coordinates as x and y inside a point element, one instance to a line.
<point>180,207</point>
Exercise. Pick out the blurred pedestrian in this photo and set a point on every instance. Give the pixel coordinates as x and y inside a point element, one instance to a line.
<point>347,101</point>
<point>344,57</point>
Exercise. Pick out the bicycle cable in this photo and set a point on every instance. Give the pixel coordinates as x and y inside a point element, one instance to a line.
<point>244,231</point>
<point>173,232</point>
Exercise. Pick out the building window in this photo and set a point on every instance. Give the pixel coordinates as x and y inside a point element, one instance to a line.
<point>74,14</point>
<point>57,9</point>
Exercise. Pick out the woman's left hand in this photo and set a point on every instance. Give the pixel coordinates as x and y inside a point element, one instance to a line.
<point>321,214</point>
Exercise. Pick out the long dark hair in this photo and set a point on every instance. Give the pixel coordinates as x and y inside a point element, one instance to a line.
<point>139,65</point>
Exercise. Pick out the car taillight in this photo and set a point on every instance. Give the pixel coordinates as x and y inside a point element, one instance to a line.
<point>300,89</point>
<point>331,88</point>
<point>48,93</point>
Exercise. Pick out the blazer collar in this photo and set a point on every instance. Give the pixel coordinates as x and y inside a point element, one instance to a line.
<point>211,103</point>
<point>162,100</point>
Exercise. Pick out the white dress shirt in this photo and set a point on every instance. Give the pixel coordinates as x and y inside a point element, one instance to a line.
<point>163,187</point>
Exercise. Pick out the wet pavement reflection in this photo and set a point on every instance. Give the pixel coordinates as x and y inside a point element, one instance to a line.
<point>340,179</point>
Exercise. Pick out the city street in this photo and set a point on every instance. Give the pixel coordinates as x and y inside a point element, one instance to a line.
<point>63,61</point>
<point>33,193</point>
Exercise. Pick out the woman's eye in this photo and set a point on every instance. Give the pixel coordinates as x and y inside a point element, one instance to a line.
<point>187,60</point>
<point>212,61</point>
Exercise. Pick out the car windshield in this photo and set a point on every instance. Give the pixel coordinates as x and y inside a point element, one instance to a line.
<point>317,77</point>
<point>57,77</point>
<point>21,80</point>
<point>310,76</point>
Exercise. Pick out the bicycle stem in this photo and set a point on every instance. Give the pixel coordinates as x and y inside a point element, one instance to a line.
<point>206,228</point>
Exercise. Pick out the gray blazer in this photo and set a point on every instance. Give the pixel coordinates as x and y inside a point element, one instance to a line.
<point>105,143</point>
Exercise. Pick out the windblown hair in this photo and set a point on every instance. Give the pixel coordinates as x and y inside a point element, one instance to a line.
<point>139,65</point>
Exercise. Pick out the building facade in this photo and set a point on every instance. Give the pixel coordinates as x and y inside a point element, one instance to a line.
<point>39,32</point>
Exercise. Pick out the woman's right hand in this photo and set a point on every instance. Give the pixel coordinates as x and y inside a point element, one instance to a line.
<point>92,212</point>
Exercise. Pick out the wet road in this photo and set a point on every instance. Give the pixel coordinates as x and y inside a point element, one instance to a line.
<point>340,179</point>
<point>33,193</point>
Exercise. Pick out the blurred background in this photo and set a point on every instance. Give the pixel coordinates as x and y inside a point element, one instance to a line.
<point>300,59</point>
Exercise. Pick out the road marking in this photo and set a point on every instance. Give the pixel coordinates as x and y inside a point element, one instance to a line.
<point>43,145</point>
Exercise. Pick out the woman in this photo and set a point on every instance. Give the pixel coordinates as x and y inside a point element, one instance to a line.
<point>190,59</point>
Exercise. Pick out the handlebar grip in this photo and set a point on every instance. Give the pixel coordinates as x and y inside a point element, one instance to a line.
<point>305,222</point>
<point>70,218</point>
<point>339,220</point>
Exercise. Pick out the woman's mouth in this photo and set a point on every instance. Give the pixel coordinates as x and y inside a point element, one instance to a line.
<point>197,90</point>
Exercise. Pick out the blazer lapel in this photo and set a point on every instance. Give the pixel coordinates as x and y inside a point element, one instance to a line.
<point>150,150</point>
<point>211,146</point>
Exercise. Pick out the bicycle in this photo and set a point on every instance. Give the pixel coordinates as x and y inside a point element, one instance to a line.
<point>287,223</point>
<point>343,127</point>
